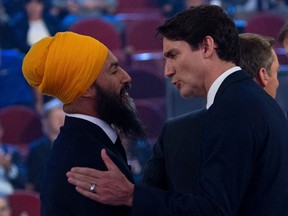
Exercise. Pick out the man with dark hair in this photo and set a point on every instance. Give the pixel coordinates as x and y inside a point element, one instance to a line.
<point>244,131</point>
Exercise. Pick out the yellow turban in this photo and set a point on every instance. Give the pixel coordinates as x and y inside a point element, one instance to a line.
<point>65,65</point>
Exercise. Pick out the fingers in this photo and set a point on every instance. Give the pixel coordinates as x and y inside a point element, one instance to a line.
<point>80,177</point>
<point>82,171</point>
<point>108,162</point>
<point>93,196</point>
<point>93,172</point>
<point>77,181</point>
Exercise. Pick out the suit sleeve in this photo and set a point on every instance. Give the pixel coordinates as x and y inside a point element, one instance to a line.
<point>155,172</point>
<point>226,167</point>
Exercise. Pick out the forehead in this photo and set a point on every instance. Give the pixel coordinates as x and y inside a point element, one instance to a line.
<point>170,45</point>
<point>110,63</point>
<point>285,43</point>
<point>110,59</point>
<point>274,56</point>
<point>275,65</point>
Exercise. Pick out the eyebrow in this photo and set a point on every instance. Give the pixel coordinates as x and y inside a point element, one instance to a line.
<point>168,53</point>
<point>114,65</point>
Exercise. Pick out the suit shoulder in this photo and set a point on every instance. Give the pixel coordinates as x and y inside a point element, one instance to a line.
<point>189,117</point>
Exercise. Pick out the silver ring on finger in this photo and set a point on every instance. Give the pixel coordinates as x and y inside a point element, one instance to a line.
<point>92,188</point>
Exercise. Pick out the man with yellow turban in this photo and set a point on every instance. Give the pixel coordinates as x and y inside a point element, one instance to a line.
<point>86,77</point>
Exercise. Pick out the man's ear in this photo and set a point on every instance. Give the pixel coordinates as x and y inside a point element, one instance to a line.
<point>90,92</point>
<point>209,46</point>
<point>262,77</point>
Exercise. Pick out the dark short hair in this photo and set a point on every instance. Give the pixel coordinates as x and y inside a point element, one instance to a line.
<point>255,53</point>
<point>283,33</point>
<point>194,24</point>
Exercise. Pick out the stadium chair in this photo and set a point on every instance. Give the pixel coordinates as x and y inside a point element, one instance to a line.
<point>21,125</point>
<point>265,24</point>
<point>141,35</point>
<point>104,32</point>
<point>127,6</point>
<point>99,29</point>
<point>146,84</point>
<point>153,114</point>
<point>24,203</point>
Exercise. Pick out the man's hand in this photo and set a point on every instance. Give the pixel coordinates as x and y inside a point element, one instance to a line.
<point>112,187</point>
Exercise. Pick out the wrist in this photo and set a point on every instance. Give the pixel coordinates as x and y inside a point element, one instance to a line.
<point>130,195</point>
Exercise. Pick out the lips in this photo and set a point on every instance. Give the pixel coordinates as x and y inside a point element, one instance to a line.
<point>177,84</point>
<point>124,90</point>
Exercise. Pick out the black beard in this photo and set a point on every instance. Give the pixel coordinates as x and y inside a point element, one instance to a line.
<point>120,112</point>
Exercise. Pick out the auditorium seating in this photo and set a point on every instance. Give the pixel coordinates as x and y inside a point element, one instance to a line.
<point>24,203</point>
<point>21,125</point>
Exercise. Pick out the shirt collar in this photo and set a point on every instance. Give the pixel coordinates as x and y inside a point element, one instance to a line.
<point>216,84</point>
<point>109,130</point>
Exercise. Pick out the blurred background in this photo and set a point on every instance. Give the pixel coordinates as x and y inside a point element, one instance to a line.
<point>30,121</point>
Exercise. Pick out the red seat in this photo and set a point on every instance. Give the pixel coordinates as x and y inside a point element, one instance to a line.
<point>135,5</point>
<point>21,125</point>
<point>141,35</point>
<point>146,83</point>
<point>99,29</point>
<point>104,32</point>
<point>24,203</point>
<point>153,114</point>
<point>265,23</point>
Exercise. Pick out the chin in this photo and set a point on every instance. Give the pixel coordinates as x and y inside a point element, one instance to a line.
<point>185,95</point>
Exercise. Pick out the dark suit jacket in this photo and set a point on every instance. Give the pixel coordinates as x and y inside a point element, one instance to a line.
<point>78,144</point>
<point>244,163</point>
<point>175,162</point>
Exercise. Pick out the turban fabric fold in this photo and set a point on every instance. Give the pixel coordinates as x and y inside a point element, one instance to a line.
<point>64,66</point>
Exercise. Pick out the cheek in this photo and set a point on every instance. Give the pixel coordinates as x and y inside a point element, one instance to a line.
<point>276,83</point>
<point>286,47</point>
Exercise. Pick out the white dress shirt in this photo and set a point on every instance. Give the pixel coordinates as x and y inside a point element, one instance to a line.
<point>108,129</point>
<point>216,84</point>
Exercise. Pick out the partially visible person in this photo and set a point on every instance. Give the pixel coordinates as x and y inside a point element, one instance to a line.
<point>12,7</point>
<point>5,209</point>
<point>83,9</point>
<point>169,8</point>
<point>283,37</point>
<point>181,137</point>
<point>260,60</point>
<point>5,31</point>
<point>244,133</point>
<point>179,143</point>
<point>32,24</point>
<point>39,150</point>
<point>14,89</point>
<point>82,73</point>
<point>59,8</point>
<point>12,168</point>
